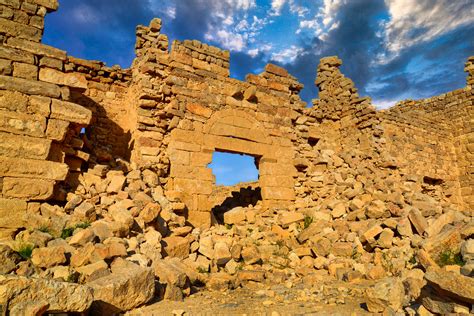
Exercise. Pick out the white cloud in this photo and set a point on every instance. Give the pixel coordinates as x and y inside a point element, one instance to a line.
<point>232,41</point>
<point>287,55</point>
<point>299,10</point>
<point>412,22</point>
<point>277,6</point>
<point>384,104</point>
<point>265,48</point>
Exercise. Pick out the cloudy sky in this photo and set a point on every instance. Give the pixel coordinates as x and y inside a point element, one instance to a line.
<point>392,49</point>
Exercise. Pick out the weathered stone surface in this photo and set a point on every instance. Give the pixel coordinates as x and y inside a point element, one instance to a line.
<point>59,296</point>
<point>74,80</point>
<point>128,286</point>
<point>12,213</point>
<point>70,112</point>
<point>56,129</point>
<point>20,30</point>
<point>16,55</point>
<point>116,184</point>
<point>290,217</point>
<point>451,284</point>
<point>23,146</point>
<point>418,221</point>
<point>175,246</point>
<point>387,293</point>
<point>234,216</point>
<point>37,48</point>
<point>11,167</point>
<point>47,257</point>
<point>28,189</point>
<point>221,253</point>
<point>8,259</point>
<point>29,86</point>
<point>19,123</point>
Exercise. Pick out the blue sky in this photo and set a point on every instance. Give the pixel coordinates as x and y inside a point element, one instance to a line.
<point>392,49</point>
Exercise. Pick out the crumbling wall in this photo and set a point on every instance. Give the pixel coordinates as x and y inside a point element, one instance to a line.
<point>39,123</point>
<point>433,137</point>
<point>188,107</point>
<point>177,105</point>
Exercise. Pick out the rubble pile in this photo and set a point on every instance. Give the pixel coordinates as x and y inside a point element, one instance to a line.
<point>118,235</point>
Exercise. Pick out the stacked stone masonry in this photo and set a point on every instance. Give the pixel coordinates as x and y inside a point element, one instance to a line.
<point>177,105</point>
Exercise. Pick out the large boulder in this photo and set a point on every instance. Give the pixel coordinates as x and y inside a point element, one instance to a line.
<point>451,284</point>
<point>386,293</point>
<point>22,294</point>
<point>127,287</point>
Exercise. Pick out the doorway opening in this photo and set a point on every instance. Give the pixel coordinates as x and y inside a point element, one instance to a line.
<point>236,182</point>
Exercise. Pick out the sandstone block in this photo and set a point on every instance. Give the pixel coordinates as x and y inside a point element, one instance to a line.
<point>58,296</point>
<point>150,212</point>
<point>85,211</point>
<point>251,255</point>
<point>175,246</point>
<point>48,257</point>
<point>313,229</point>
<point>25,71</point>
<point>93,268</point>
<point>8,259</point>
<point>199,110</point>
<point>289,218</point>
<point>451,284</point>
<point>57,129</point>
<point>234,216</point>
<point>128,286</point>
<point>20,123</point>
<point>116,184</point>
<point>82,237</point>
<point>274,69</point>
<point>121,215</point>
<point>70,112</point>
<point>418,221</point>
<point>370,234</point>
<point>37,48</point>
<point>221,253</point>
<point>12,213</point>
<point>385,293</point>
<point>28,168</point>
<point>339,210</point>
<point>245,276</point>
<point>29,86</point>
<point>385,239</point>
<point>28,189</point>
<point>74,80</point>
<point>20,30</point>
<point>206,247</point>
<point>23,146</point>
<point>275,193</point>
<point>13,54</point>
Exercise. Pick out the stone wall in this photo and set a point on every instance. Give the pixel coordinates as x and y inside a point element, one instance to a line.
<point>433,138</point>
<point>39,122</point>
<point>177,105</point>
<point>188,107</point>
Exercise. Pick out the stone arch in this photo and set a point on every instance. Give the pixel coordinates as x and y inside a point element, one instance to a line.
<point>232,131</point>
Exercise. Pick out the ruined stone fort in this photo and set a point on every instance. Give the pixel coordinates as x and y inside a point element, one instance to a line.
<point>340,159</point>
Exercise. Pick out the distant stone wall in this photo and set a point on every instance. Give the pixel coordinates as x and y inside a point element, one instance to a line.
<point>177,105</point>
<point>434,138</point>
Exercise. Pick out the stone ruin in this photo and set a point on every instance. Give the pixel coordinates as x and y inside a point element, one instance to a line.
<point>62,119</point>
